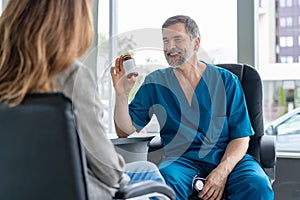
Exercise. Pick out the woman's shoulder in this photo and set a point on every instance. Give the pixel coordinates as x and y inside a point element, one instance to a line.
<point>71,72</point>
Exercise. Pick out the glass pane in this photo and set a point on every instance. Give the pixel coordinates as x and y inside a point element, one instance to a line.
<point>289,3</point>
<point>218,34</point>
<point>289,21</point>
<point>283,59</point>
<point>282,22</point>
<point>139,33</point>
<point>282,3</point>
<point>217,26</point>
<point>290,59</point>
<point>282,42</point>
<point>289,41</point>
<point>279,56</point>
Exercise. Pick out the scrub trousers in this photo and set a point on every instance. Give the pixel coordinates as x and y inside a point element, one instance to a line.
<point>247,181</point>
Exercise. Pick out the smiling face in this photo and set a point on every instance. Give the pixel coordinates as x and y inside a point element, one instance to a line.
<point>178,46</point>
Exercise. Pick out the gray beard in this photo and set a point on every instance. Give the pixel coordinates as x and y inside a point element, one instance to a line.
<point>176,63</point>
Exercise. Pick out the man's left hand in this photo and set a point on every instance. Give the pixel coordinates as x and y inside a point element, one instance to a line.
<point>214,185</point>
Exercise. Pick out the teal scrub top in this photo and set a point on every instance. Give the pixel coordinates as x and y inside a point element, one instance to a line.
<point>200,131</point>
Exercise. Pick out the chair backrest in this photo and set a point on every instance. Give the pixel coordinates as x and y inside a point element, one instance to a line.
<point>252,87</point>
<point>40,151</point>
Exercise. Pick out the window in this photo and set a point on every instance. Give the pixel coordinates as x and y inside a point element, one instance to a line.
<point>286,41</point>
<point>286,59</point>
<point>289,41</point>
<point>299,19</point>
<point>286,3</point>
<point>282,42</point>
<point>214,47</point>
<point>142,37</point>
<point>289,3</point>
<point>290,59</point>
<point>299,40</point>
<point>289,21</point>
<point>218,47</point>
<point>286,21</point>
<point>282,3</point>
<point>283,59</point>
<point>282,21</point>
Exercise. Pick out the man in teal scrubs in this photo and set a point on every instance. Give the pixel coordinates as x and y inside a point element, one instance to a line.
<point>203,117</point>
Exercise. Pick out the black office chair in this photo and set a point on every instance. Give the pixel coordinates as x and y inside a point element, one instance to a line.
<point>261,146</point>
<point>41,155</point>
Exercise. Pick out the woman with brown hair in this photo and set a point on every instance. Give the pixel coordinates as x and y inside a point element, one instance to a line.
<point>39,44</point>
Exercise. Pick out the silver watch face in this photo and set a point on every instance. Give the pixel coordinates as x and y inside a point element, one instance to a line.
<point>199,185</point>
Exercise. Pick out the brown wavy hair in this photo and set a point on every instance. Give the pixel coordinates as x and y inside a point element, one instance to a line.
<point>39,39</point>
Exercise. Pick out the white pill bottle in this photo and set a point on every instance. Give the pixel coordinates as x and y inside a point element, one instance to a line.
<point>129,64</point>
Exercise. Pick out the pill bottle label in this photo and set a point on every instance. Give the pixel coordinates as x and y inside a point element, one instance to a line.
<point>129,66</point>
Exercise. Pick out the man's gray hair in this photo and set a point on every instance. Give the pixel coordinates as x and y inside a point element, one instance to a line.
<point>190,25</point>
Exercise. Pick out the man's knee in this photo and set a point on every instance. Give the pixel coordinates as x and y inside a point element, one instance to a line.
<point>263,187</point>
<point>252,187</point>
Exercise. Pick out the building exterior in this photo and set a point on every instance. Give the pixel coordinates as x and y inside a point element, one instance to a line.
<point>288,31</point>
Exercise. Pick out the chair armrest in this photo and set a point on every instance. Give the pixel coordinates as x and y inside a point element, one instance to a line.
<point>155,150</point>
<point>268,151</point>
<point>145,188</point>
<point>155,143</point>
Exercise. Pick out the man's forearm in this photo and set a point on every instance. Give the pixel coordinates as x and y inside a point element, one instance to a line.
<point>234,152</point>
<point>123,121</point>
